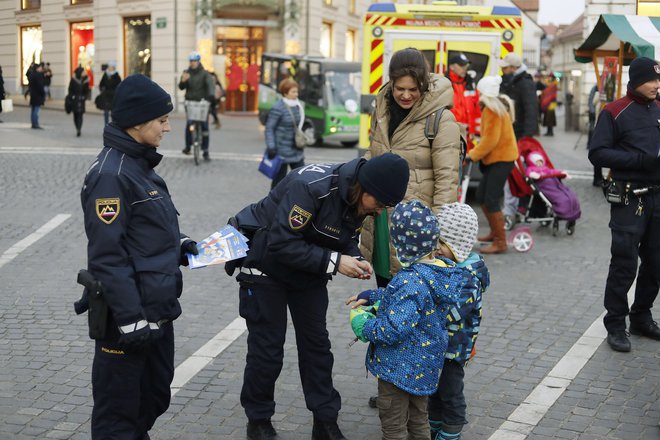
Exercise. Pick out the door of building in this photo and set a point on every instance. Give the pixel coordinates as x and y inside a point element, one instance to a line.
<point>242,47</point>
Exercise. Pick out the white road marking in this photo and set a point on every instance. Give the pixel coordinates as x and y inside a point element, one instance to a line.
<point>19,247</point>
<point>209,351</point>
<point>523,419</point>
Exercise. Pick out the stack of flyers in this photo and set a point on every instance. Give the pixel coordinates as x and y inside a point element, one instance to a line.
<point>224,245</point>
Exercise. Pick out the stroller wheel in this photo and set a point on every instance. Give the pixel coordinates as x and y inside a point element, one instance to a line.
<point>509,222</point>
<point>522,241</point>
<point>570,227</point>
<point>545,223</point>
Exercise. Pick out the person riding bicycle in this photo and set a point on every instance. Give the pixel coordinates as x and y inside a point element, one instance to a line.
<point>199,85</point>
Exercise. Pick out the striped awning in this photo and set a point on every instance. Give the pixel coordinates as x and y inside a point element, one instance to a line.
<point>639,34</point>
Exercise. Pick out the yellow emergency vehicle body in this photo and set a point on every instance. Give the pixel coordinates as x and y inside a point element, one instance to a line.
<point>483,33</point>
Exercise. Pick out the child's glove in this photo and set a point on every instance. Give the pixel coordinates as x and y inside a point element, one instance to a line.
<point>359,317</point>
<point>365,295</point>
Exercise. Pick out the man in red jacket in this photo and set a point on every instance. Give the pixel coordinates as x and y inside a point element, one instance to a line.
<point>466,98</point>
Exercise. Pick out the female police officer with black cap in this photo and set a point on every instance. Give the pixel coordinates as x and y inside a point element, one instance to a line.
<point>304,232</point>
<point>134,250</point>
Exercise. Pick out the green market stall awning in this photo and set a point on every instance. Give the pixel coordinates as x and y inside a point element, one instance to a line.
<point>624,36</point>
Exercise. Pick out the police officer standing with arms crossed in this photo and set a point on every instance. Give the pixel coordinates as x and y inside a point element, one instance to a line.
<point>304,232</point>
<point>627,140</point>
<point>134,251</point>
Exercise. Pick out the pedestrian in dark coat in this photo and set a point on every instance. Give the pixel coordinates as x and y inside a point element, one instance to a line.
<point>302,234</point>
<point>78,90</point>
<point>134,250</point>
<point>283,118</point>
<point>36,84</point>
<point>2,89</point>
<point>518,85</point>
<point>107,86</point>
<point>627,140</point>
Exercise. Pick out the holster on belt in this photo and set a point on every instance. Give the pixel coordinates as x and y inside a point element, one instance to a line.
<point>93,303</point>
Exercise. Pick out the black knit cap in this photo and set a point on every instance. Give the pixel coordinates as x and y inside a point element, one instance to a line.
<point>385,177</point>
<point>137,100</point>
<point>641,70</point>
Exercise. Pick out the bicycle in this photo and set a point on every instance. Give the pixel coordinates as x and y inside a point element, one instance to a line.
<point>196,112</point>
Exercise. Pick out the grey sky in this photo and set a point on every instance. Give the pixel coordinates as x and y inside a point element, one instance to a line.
<point>559,11</point>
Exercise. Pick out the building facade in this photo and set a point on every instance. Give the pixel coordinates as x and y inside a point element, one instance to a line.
<point>154,37</point>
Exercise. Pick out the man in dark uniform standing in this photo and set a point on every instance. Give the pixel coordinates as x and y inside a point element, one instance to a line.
<point>304,232</point>
<point>627,140</point>
<point>134,251</point>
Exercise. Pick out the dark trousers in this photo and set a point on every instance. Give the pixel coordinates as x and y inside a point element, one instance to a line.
<point>490,191</point>
<point>130,389</point>
<point>447,404</point>
<point>205,135</point>
<point>264,307</point>
<point>633,237</point>
<point>77,120</point>
<point>34,115</point>
<point>282,172</point>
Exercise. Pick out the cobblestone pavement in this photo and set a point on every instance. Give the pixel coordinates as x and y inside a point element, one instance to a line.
<point>540,303</point>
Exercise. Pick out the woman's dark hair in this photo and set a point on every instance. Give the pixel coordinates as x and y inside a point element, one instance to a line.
<point>410,62</point>
<point>355,195</point>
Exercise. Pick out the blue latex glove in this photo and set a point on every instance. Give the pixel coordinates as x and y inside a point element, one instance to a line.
<point>359,317</point>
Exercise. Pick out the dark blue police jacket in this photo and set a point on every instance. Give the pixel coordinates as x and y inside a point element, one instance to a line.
<point>133,231</point>
<point>301,229</point>
<point>627,130</point>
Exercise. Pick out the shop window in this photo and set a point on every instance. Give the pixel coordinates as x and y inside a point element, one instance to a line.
<point>27,5</point>
<point>137,45</point>
<point>326,40</point>
<point>327,2</point>
<point>31,49</point>
<point>82,48</point>
<point>350,45</point>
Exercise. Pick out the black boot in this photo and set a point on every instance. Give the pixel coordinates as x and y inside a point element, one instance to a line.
<point>649,329</point>
<point>326,431</point>
<point>261,430</point>
<point>618,340</point>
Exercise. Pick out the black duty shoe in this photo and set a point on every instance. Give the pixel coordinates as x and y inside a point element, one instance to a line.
<point>186,150</point>
<point>649,329</point>
<point>373,403</point>
<point>206,156</point>
<point>261,430</point>
<point>618,340</point>
<point>326,431</point>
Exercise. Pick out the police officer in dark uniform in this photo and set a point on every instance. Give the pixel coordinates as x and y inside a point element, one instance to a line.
<point>304,232</point>
<point>627,140</point>
<point>134,250</point>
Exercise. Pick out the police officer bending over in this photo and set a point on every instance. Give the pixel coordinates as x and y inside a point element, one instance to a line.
<point>627,140</point>
<point>304,232</point>
<point>134,251</point>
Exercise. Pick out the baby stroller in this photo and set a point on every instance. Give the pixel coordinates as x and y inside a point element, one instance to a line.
<point>549,200</point>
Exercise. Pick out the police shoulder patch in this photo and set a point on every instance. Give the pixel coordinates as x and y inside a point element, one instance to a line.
<point>108,209</point>
<point>298,217</point>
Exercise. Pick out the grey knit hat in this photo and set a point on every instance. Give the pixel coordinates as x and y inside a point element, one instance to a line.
<point>458,228</point>
<point>414,231</point>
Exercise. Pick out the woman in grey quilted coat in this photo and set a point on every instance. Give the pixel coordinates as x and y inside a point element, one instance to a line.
<point>280,129</point>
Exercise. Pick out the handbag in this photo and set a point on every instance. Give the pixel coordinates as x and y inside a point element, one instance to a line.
<point>300,140</point>
<point>7,105</point>
<point>68,104</point>
<point>270,167</point>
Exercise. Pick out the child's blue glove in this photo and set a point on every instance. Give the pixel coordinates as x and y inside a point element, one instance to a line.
<point>365,295</point>
<point>359,317</point>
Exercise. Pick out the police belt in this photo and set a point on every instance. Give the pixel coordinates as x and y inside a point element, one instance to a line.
<point>252,271</point>
<point>645,189</point>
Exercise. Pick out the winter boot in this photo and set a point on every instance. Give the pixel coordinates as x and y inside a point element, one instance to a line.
<point>449,432</point>
<point>326,431</point>
<point>496,222</point>
<point>436,427</point>
<point>261,430</point>
<point>489,236</point>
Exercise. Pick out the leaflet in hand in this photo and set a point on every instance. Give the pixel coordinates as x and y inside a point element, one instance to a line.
<point>224,245</point>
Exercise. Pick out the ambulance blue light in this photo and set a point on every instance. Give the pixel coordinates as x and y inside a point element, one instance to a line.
<point>505,10</point>
<point>382,7</point>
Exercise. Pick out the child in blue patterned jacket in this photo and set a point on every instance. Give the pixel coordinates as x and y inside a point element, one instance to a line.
<point>458,233</point>
<point>407,333</point>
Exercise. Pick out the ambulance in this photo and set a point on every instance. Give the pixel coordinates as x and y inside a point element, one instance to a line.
<point>439,30</point>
